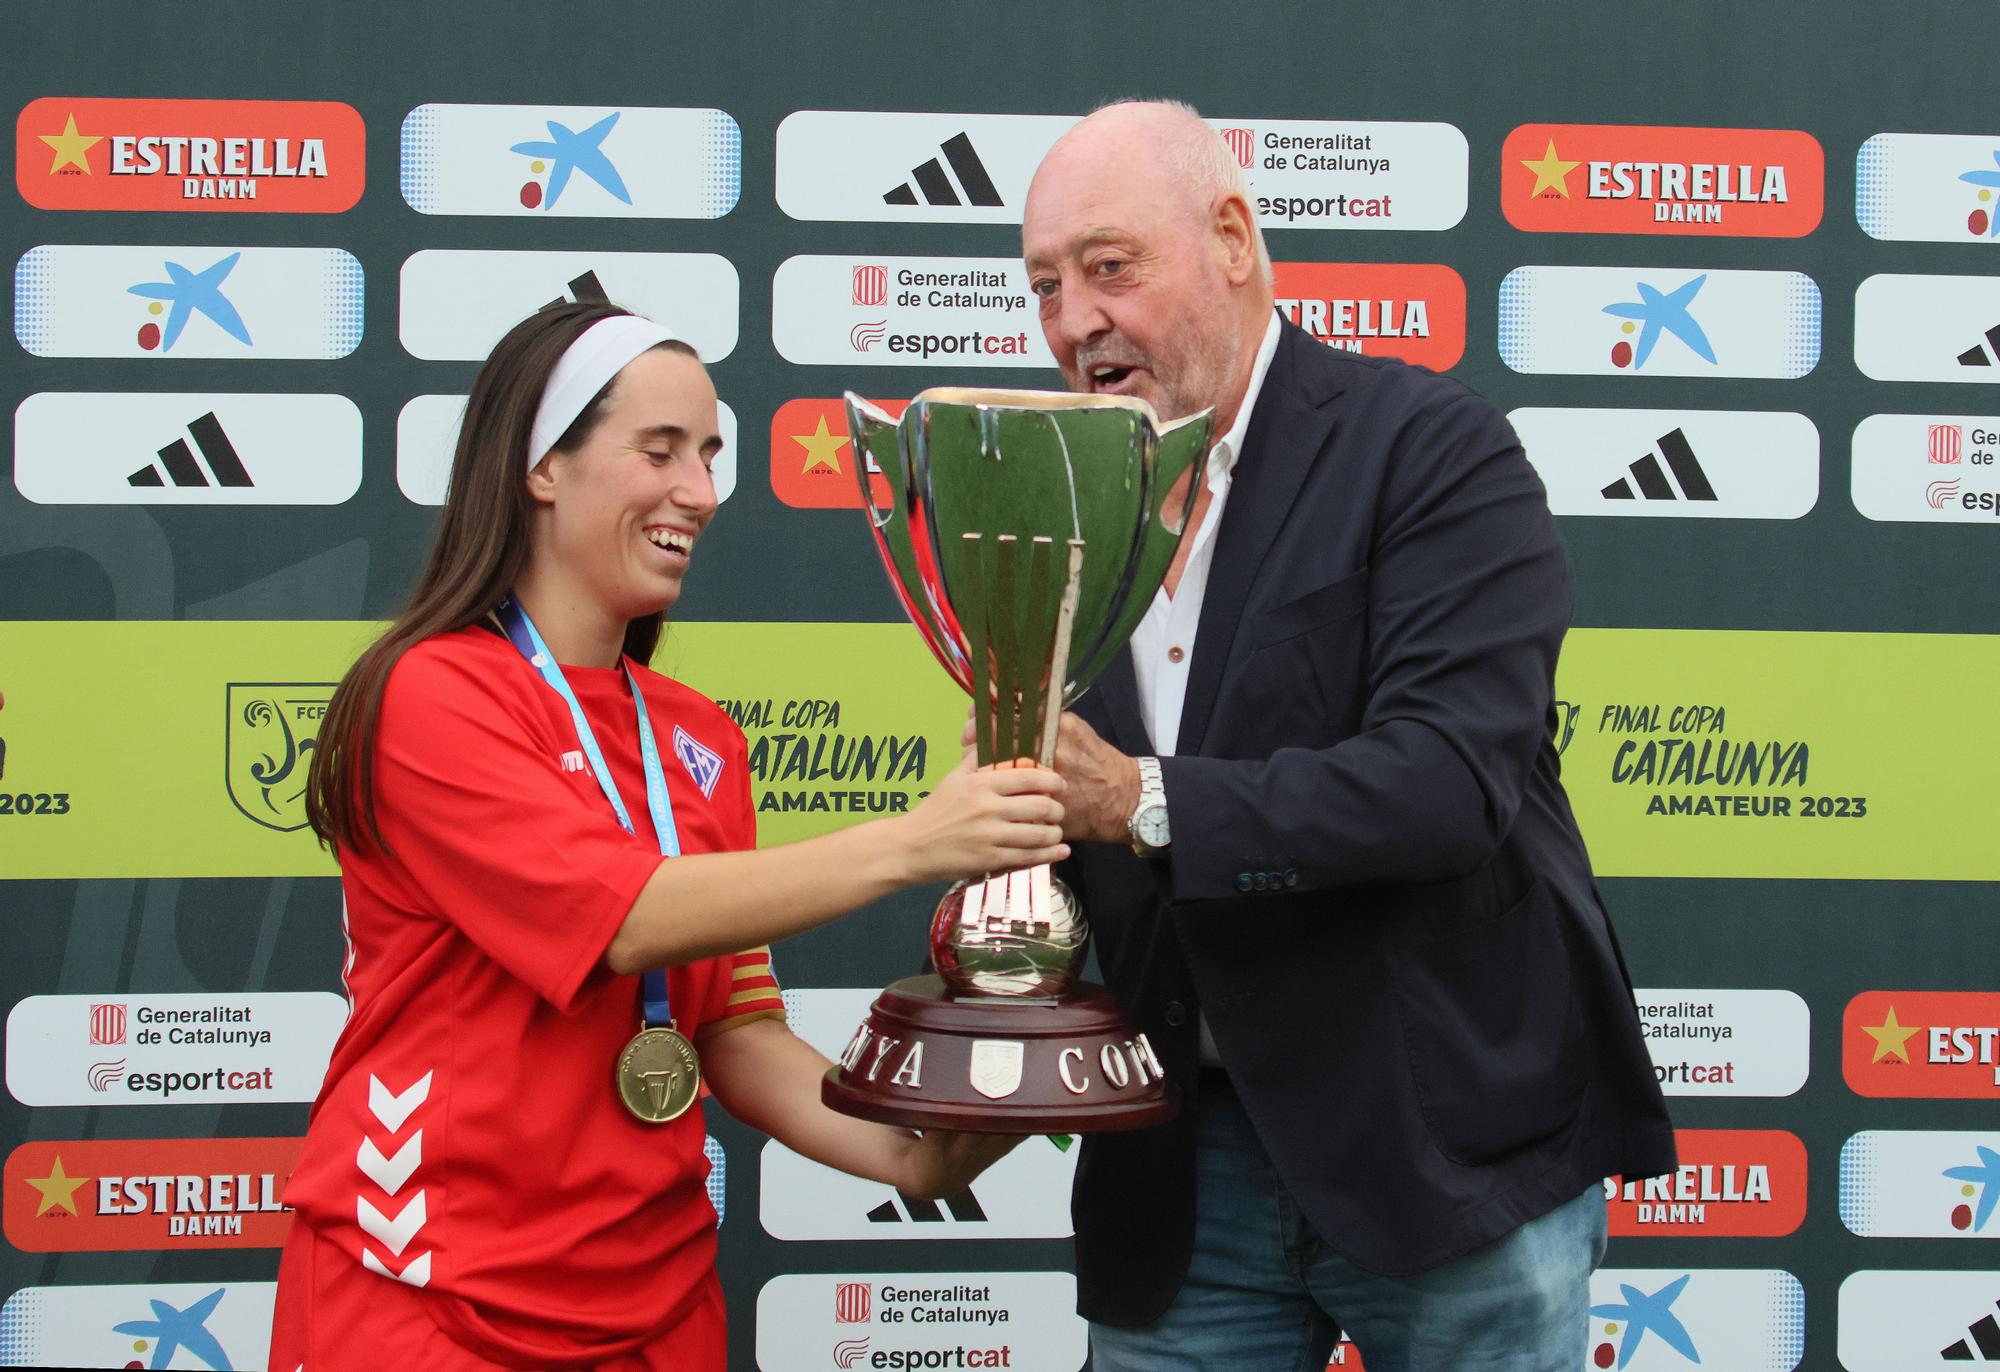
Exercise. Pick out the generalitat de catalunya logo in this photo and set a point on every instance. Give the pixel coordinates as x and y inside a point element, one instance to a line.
<point>1621,178</point>
<point>1927,468</point>
<point>546,161</point>
<point>1415,311</point>
<point>248,303</point>
<point>255,156</point>
<point>1923,1044</point>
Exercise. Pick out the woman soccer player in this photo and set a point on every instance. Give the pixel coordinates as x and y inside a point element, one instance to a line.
<point>546,852</point>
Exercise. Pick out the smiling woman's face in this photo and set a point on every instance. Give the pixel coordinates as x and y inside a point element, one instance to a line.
<point>628,506</point>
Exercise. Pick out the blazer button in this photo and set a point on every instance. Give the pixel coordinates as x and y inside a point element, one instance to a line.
<point>1291,876</point>
<point>1263,881</point>
<point>1176,1014</point>
<point>1242,881</point>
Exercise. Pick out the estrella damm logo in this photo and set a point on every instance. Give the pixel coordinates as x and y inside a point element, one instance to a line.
<point>274,156</point>
<point>813,457</point>
<point>1923,1044</point>
<point>273,729</point>
<point>1620,178</point>
<point>1731,1183</point>
<point>101,1195</point>
<point>1411,310</point>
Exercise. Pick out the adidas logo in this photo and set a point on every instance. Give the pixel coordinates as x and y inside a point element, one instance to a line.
<point>582,288</point>
<point>964,1208</point>
<point>1984,1333</point>
<point>183,470</point>
<point>1653,483</point>
<point>1982,355</point>
<point>936,186</point>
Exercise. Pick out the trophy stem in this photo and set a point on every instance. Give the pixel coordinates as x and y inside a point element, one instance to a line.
<point>1052,700</point>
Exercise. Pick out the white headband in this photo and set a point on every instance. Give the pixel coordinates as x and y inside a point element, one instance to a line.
<point>599,353</point>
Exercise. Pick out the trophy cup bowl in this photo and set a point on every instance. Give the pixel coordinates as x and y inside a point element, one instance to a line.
<point>1024,538</point>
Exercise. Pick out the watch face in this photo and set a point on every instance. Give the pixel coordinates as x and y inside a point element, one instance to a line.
<point>1149,826</point>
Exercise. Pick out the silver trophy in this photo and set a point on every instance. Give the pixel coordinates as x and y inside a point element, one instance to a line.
<point>1025,539</point>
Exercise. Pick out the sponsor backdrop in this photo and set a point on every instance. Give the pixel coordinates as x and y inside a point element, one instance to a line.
<point>1746,320</point>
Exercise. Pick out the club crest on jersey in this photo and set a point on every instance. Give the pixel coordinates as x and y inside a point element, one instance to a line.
<point>703,763</point>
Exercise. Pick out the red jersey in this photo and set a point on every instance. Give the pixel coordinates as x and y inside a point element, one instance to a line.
<point>468,1141</point>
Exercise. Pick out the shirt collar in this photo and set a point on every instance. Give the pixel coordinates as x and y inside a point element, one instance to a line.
<point>1222,457</point>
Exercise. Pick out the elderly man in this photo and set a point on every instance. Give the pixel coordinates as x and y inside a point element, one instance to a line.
<point>1324,845</point>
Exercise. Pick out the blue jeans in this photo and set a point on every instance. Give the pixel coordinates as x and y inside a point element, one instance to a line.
<point>1265,1294</point>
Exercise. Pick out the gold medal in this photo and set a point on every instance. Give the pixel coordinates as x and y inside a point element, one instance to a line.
<point>659,1075</point>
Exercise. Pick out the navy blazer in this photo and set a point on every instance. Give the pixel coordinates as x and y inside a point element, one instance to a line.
<point>1375,891</point>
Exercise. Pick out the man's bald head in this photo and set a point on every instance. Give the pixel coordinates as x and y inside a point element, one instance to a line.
<point>1165,141</point>
<point>1144,255</point>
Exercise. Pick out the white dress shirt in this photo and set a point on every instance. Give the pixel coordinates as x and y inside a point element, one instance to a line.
<point>1163,645</point>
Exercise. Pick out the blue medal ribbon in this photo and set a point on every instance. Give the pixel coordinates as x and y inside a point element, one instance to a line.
<point>527,641</point>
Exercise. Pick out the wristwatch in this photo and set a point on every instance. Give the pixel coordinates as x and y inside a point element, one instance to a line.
<point>1147,823</point>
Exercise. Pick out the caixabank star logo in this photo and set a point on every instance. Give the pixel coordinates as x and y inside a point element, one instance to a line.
<point>1622,178</point>
<point>102,300</point>
<point>1923,1044</point>
<point>1928,188</point>
<point>268,156</point>
<point>1921,1184</point>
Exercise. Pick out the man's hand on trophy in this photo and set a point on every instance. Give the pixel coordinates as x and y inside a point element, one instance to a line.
<point>943,1163</point>
<point>983,821</point>
<point>1103,784</point>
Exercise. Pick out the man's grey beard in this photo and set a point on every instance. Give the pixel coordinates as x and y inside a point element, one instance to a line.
<point>1206,383</point>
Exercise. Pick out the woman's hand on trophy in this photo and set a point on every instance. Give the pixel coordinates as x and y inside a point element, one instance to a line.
<point>943,1163</point>
<point>983,821</point>
<point>1103,784</point>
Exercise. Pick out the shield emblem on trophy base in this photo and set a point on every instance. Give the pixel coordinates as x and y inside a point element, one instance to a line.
<point>996,1067</point>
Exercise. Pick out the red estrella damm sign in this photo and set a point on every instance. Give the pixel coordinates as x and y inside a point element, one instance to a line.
<point>270,156</point>
<point>1624,178</point>
<point>1922,1044</point>
<point>812,456</point>
<point>1731,1183</point>
<point>101,1195</point>
<point>1411,310</point>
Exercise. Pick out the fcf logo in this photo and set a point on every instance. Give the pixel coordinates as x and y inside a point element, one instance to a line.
<point>1243,143</point>
<point>851,1302</point>
<point>1944,443</point>
<point>273,729</point>
<point>107,1023</point>
<point>871,285</point>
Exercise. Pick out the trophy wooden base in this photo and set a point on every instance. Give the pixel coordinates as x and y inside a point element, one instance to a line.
<point>999,1065</point>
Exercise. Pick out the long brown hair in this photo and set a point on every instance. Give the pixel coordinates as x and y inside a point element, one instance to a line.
<point>481,548</point>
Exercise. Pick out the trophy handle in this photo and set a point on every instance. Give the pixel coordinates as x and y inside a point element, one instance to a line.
<point>876,436</point>
<point>1182,446</point>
